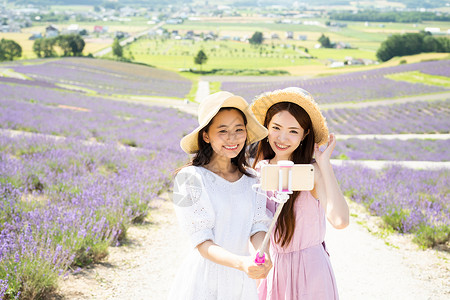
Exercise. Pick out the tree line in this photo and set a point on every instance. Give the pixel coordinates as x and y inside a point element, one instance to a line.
<point>411,43</point>
<point>69,44</point>
<point>391,16</point>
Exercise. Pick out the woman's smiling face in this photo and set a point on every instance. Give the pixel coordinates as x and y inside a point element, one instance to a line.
<point>285,134</point>
<point>227,133</point>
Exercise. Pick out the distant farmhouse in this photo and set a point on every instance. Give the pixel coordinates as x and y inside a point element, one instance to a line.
<point>51,31</point>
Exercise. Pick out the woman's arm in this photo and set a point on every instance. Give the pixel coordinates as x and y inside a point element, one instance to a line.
<point>327,187</point>
<point>209,250</point>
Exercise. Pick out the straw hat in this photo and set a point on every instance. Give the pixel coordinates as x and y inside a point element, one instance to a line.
<point>210,106</point>
<point>298,96</point>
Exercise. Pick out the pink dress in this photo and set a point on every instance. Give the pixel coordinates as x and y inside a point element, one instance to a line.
<point>302,270</point>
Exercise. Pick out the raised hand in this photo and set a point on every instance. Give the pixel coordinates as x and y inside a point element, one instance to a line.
<point>324,156</point>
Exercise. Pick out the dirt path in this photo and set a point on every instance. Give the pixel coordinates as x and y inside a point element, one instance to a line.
<point>142,268</point>
<point>366,266</point>
<point>202,91</point>
<point>369,263</point>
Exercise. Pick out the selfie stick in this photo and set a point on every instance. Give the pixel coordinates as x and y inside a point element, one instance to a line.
<point>281,197</point>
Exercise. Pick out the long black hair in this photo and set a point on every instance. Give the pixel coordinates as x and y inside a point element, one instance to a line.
<point>302,155</point>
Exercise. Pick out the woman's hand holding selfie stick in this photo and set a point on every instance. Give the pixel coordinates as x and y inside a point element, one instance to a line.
<point>281,197</point>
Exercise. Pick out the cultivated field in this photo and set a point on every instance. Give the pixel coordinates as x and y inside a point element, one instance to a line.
<point>77,169</point>
<point>84,148</point>
<point>79,166</point>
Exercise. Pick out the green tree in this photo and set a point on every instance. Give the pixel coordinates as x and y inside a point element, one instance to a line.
<point>71,44</point>
<point>9,50</point>
<point>430,44</point>
<point>117,49</point>
<point>44,47</point>
<point>257,38</point>
<point>390,48</point>
<point>411,43</point>
<point>200,58</point>
<point>444,44</point>
<point>324,41</point>
<point>49,47</point>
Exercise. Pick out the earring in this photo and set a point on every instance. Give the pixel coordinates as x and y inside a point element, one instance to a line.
<point>267,139</point>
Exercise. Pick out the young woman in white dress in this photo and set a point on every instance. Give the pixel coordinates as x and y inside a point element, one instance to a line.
<point>216,205</point>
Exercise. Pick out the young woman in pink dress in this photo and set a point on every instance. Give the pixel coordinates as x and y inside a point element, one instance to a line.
<point>301,265</point>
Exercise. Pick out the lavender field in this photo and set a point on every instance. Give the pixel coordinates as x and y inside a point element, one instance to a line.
<point>357,86</point>
<point>414,117</point>
<point>65,113</point>
<point>408,201</point>
<point>83,170</point>
<point>76,168</point>
<point>107,77</point>
<point>394,150</point>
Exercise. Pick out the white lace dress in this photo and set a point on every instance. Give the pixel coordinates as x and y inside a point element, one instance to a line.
<point>209,207</point>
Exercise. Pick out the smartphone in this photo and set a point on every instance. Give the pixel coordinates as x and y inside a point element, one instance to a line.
<point>302,177</point>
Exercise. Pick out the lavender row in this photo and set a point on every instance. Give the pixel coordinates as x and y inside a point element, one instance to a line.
<point>415,202</point>
<point>439,69</point>
<point>60,113</point>
<point>376,149</point>
<point>38,83</point>
<point>62,203</point>
<point>90,118</point>
<point>109,77</point>
<point>413,117</point>
<point>356,86</point>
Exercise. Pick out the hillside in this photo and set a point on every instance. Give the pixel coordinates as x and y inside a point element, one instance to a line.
<point>95,76</point>
<point>356,86</point>
<point>88,146</point>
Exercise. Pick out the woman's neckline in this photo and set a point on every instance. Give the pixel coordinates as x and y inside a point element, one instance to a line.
<point>242,176</point>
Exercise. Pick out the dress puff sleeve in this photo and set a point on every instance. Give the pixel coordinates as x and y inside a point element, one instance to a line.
<point>192,205</point>
<point>261,217</point>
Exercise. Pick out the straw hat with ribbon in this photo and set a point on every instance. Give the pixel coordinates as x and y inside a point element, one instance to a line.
<point>210,106</point>
<point>300,97</point>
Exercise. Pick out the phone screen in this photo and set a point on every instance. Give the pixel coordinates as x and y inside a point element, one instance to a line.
<point>302,177</point>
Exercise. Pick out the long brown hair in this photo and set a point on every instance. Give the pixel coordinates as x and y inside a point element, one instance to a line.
<point>302,155</point>
<point>204,154</point>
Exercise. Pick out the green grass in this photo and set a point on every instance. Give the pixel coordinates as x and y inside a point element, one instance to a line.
<point>341,54</point>
<point>214,86</point>
<point>418,77</point>
<point>175,55</point>
<point>193,91</point>
<point>358,34</point>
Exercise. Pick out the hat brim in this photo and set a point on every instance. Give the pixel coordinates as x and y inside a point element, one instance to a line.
<point>300,97</point>
<point>255,131</point>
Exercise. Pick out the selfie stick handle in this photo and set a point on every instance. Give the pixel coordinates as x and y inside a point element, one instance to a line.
<point>260,256</point>
<point>282,197</point>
